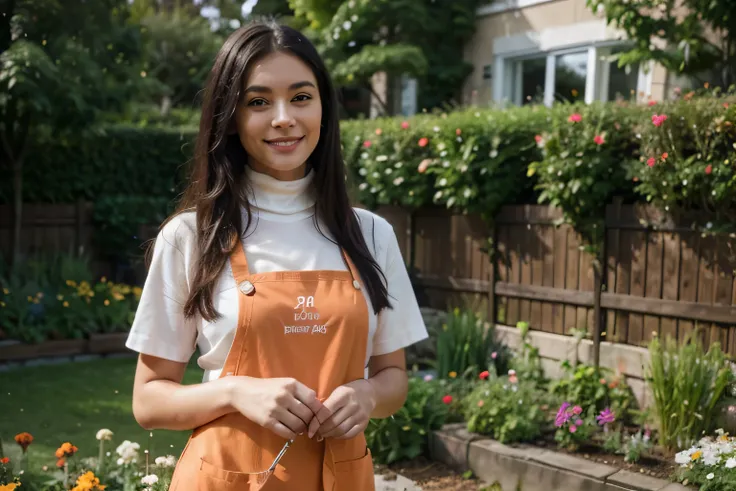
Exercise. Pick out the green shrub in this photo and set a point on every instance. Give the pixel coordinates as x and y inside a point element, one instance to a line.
<point>687,384</point>
<point>464,344</point>
<point>405,435</point>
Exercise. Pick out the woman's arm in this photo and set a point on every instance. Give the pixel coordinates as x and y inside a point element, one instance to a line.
<point>285,406</point>
<point>389,381</point>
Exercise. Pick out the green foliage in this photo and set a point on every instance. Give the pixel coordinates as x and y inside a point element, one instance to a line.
<point>686,383</point>
<point>405,435</point>
<point>581,166</point>
<point>594,389</point>
<point>527,365</point>
<point>56,297</point>
<point>509,412</point>
<point>685,36</point>
<point>688,160</point>
<point>463,344</point>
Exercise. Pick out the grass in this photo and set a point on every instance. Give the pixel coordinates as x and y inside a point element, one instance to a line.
<point>70,402</point>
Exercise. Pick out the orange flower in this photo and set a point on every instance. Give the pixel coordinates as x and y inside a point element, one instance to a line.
<point>5,460</point>
<point>66,450</point>
<point>60,463</point>
<point>379,131</point>
<point>665,155</point>
<point>24,440</point>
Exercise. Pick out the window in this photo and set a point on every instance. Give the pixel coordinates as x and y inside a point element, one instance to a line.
<point>578,74</point>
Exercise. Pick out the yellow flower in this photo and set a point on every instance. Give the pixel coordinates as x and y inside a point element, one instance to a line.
<point>9,487</point>
<point>65,304</point>
<point>118,296</point>
<point>137,291</point>
<point>406,428</point>
<point>696,455</point>
<point>452,374</point>
<point>88,482</point>
<point>106,302</point>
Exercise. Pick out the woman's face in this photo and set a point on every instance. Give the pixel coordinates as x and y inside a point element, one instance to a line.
<point>279,117</point>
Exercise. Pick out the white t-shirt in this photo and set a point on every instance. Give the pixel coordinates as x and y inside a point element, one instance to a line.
<point>283,236</point>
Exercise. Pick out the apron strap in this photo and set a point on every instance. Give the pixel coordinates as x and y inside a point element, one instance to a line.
<point>239,263</point>
<point>353,270</point>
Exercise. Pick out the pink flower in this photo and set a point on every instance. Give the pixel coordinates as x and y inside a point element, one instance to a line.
<point>423,142</point>
<point>651,161</point>
<point>605,417</point>
<point>577,410</point>
<point>494,355</point>
<point>538,139</point>
<point>379,131</point>
<point>367,144</point>
<point>573,428</point>
<point>658,119</point>
<point>428,378</point>
<point>652,103</point>
<point>575,118</point>
<point>563,415</point>
<point>404,125</point>
<point>458,132</point>
<point>513,379</point>
<point>578,422</point>
<point>709,169</point>
<point>423,165</point>
<point>599,140</point>
<point>481,403</point>
<point>447,399</point>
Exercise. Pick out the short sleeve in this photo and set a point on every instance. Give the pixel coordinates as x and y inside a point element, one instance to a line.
<point>401,325</point>
<point>160,328</point>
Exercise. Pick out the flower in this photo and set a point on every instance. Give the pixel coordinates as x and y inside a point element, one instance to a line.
<point>24,440</point>
<point>602,381</point>
<point>9,487</point>
<point>484,375</point>
<point>573,428</point>
<point>696,455</point>
<point>104,434</point>
<point>423,165</point>
<point>66,450</point>
<point>494,355</point>
<point>513,379</point>
<point>512,372</point>
<point>447,399</point>
<point>367,144</point>
<point>149,480</point>
<point>659,119</point>
<point>563,415</point>
<point>452,374</point>
<point>538,139</point>
<point>481,403</point>
<point>606,416</point>
<point>458,132</point>
<point>423,142</point>
<point>665,155</point>
<point>710,476</point>
<point>428,377</point>
<point>404,125</point>
<point>128,452</point>
<point>88,482</point>
<point>709,169</point>
<point>683,458</point>
<point>651,161</point>
<point>578,422</point>
<point>577,410</point>
<point>379,131</point>
<point>60,463</point>
<point>575,118</point>
<point>599,140</point>
<point>652,103</point>
<point>5,460</point>
<point>168,461</point>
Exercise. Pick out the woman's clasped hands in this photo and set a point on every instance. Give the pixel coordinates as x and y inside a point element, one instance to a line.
<point>289,408</point>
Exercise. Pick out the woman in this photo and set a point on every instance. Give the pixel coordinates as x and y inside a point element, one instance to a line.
<point>300,305</point>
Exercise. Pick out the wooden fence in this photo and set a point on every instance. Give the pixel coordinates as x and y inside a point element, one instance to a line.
<point>661,278</point>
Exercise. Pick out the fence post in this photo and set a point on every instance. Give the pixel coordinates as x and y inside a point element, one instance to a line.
<point>597,316</point>
<point>492,276</point>
<point>79,226</point>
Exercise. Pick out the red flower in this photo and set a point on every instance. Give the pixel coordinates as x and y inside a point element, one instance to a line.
<point>665,155</point>
<point>538,138</point>
<point>575,118</point>
<point>651,161</point>
<point>659,119</point>
<point>652,103</point>
<point>447,399</point>
<point>709,169</point>
<point>367,144</point>
<point>458,132</point>
<point>423,142</point>
<point>60,463</point>
<point>484,375</point>
<point>5,460</point>
<point>599,140</point>
<point>405,125</point>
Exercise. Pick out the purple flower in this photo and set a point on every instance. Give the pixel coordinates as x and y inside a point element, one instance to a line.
<point>563,415</point>
<point>606,416</point>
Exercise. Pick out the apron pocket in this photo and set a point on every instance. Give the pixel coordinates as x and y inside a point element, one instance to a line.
<point>355,475</point>
<point>213,478</point>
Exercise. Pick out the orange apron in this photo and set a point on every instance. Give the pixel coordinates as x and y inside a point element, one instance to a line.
<point>308,325</point>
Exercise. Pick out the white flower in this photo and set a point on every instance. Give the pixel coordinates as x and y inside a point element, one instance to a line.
<point>710,476</point>
<point>347,25</point>
<point>128,452</point>
<point>382,158</point>
<point>150,479</point>
<point>731,463</point>
<point>442,182</point>
<point>104,434</point>
<point>467,193</point>
<point>437,195</point>
<point>354,18</point>
<point>363,171</point>
<point>436,129</point>
<point>493,154</point>
<point>398,181</point>
<point>388,171</point>
<point>362,186</point>
<point>711,457</point>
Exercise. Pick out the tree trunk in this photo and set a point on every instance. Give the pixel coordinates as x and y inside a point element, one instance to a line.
<point>14,145</point>
<point>384,107</point>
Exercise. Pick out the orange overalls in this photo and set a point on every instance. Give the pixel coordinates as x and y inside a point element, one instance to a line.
<point>308,325</point>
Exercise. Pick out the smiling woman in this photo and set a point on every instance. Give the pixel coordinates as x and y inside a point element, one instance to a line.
<point>299,304</point>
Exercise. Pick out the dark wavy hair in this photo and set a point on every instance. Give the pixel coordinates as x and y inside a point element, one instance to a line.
<point>218,181</point>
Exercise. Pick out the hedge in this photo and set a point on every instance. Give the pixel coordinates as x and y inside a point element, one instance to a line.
<point>679,155</point>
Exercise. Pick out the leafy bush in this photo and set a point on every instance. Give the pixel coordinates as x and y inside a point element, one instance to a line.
<point>687,384</point>
<point>463,344</point>
<point>527,363</point>
<point>405,435</point>
<point>509,409</point>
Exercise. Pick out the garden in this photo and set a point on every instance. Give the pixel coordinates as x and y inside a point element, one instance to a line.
<point>71,428</point>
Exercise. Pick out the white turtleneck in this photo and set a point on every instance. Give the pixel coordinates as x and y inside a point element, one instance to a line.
<point>282,236</point>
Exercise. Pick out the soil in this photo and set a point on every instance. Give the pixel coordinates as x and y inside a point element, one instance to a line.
<point>430,476</point>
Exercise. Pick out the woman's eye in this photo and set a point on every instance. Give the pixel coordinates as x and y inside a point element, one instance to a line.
<point>257,102</point>
<point>302,97</point>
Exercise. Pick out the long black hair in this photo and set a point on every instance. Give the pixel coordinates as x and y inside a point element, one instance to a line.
<point>216,189</point>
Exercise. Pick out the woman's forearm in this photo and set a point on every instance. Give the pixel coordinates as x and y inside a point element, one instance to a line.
<point>167,405</point>
<point>390,387</point>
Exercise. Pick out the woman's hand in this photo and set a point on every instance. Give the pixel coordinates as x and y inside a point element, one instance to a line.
<point>346,412</point>
<point>282,405</point>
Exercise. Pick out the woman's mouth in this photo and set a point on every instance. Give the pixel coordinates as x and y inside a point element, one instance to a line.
<point>284,144</point>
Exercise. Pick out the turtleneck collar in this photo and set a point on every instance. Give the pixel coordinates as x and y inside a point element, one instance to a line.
<point>281,200</point>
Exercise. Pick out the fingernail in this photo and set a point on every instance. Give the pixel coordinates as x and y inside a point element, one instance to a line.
<point>310,435</point>
<point>300,434</point>
<point>319,438</point>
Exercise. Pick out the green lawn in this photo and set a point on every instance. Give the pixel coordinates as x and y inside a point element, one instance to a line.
<point>70,402</point>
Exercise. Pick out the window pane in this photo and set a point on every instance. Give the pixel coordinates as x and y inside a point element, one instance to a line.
<point>533,73</point>
<point>623,81</point>
<point>571,71</point>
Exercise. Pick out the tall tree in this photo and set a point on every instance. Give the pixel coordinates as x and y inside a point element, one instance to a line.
<point>60,66</point>
<point>689,37</point>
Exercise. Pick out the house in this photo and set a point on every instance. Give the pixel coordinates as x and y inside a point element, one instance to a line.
<point>545,50</point>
